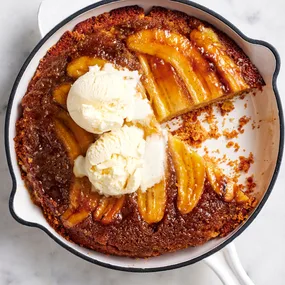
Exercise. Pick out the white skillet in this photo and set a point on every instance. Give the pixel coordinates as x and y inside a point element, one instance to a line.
<point>265,142</point>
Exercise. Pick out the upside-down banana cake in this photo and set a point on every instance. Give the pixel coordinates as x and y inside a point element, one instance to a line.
<point>91,147</point>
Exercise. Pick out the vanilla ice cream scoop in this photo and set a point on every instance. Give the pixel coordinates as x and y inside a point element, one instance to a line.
<point>102,99</point>
<point>154,160</point>
<point>114,162</point>
<point>122,161</point>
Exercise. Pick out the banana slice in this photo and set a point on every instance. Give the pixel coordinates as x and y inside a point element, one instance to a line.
<point>108,209</point>
<point>178,51</point>
<point>60,94</point>
<point>155,96</point>
<point>222,185</point>
<point>152,203</point>
<point>241,197</point>
<point>68,139</point>
<point>173,92</point>
<point>190,172</point>
<point>80,66</point>
<point>83,138</point>
<point>208,40</point>
<point>82,203</point>
<point>76,218</point>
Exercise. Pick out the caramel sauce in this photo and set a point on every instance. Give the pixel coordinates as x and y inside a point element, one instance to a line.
<point>210,46</point>
<point>170,84</point>
<point>179,69</point>
<point>84,202</point>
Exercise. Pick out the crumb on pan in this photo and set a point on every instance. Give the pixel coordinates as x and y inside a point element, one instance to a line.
<point>236,146</point>
<point>230,134</point>
<point>242,122</point>
<point>245,162</point>
<point>250,184</point>
<point>226,107</point>
<point>193,133</point>
<point>230,144</point>
<point>214,131</point>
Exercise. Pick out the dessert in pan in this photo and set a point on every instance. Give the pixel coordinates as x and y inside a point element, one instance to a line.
<point>91,142</point>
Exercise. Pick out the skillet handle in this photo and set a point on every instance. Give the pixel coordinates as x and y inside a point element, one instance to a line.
<point>226,264</point>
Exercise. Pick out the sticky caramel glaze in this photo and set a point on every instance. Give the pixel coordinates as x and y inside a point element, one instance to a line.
<point>170,84</point>
<point>211,47</point>
<point>133,237</point>
<point>47,169</point>
<point>201,82</point>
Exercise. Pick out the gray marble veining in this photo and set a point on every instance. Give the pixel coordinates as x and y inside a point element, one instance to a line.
<point>30,257</point>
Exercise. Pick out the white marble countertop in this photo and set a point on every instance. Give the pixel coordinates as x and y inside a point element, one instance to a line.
<point>29,257</point>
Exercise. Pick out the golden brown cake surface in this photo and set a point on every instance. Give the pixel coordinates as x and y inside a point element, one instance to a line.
<point>48,140</point>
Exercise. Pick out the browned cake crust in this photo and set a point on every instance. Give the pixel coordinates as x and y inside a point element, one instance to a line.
<point>47,169</point>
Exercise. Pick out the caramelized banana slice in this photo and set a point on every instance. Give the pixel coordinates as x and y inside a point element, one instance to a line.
<point>152,203</point>
<point>177,50</point>
<point>82,203</point>
<point>108,209</point>
<point>155,96</point>
<point>60,94</point>
<point>83,138</point>
<point>102,207</point>
<point>208,40</point>
<point>65,216</point>
<point>76,218</point>
<point>74,195</point>
<point>80,66</point>
<point>222,185</point>
<point>113,211</point>
<point>70,143</point>
<point>241,197</point>
<point>154,42</point>
<point>190,172</point>
<point>173,92</point>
